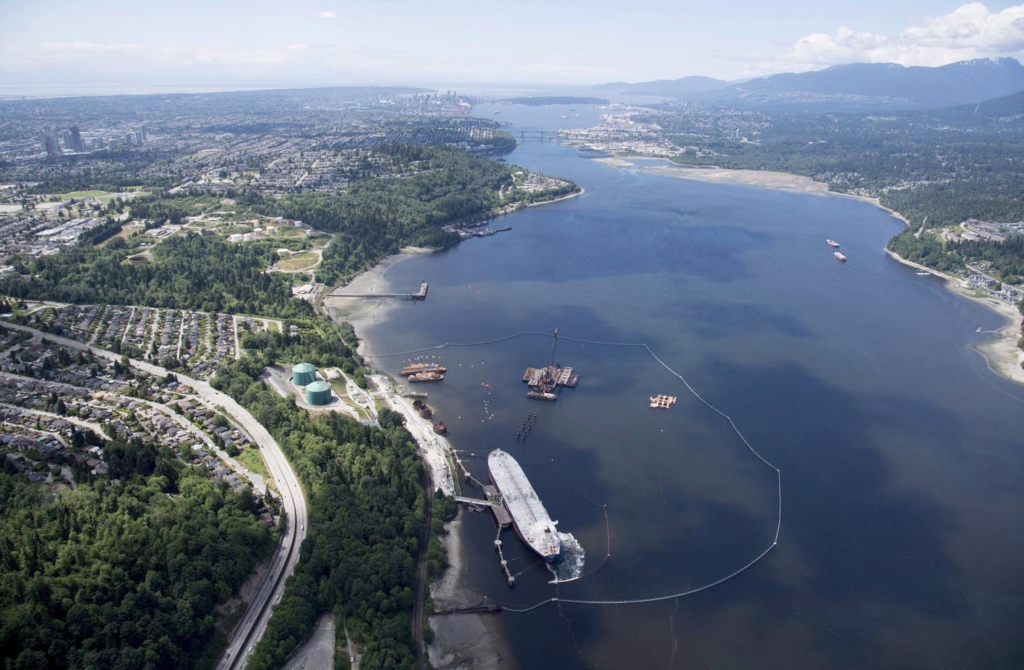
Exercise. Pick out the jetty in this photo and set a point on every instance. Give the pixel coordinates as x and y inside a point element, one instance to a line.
<point>418,295</point>
<point>493,500</point>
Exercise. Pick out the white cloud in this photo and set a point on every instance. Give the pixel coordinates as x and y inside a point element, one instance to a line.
<point>328,16</point>
<point>971,31</point>
<point>298,47</point>
<point>88,47</point>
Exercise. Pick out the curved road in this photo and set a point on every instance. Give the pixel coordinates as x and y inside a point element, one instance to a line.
<point>252,626</point>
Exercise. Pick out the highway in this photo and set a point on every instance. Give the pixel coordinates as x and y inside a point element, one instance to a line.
<point>254,623</point>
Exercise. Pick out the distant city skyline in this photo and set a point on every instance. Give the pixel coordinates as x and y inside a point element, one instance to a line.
<point>116,46</point>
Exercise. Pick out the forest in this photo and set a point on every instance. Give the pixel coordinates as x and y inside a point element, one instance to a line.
<point>926,250</point>
<point>917,163</point>
<point>1004,258</point>
<point>365,490</point>
<point>432,186</point>
<point>122,573</point>
<point>189,271</point>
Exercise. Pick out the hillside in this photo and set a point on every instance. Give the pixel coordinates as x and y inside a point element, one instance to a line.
<point>853,87</point>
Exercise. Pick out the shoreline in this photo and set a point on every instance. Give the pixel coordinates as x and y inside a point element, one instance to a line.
<point>359,312</point>
<point>463,641</point>
<point>1002,355</point>
<point>518,207</point>
<point>783,181</point>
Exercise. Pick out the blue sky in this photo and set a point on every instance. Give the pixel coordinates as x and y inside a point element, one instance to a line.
<point>111,45</point>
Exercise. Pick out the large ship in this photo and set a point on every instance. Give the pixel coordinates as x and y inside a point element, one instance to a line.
<point>426,377</point>
<point>832,243</point>
<point>417,368</point>
<point>530,519</point>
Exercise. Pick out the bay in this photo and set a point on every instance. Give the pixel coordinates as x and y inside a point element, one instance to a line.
<point>900,453</point>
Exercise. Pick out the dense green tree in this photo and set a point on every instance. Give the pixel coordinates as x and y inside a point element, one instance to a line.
<point>121,573</point>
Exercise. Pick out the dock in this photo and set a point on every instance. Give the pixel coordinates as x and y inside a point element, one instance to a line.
<point>493,500</point>
<point>501,515</point>
<point>418,295</point>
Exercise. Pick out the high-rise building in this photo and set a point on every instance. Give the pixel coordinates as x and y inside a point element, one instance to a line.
<point>66,136</point>
<point>51,146</point>
<point>76,139</point>
<point>138,136</point>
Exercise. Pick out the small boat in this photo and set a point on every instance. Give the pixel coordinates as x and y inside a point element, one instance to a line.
<point>832,243</point>
<point>839,257</point>
<point>923,274</point>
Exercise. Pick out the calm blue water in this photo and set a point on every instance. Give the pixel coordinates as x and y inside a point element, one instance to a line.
<point>902,456</point>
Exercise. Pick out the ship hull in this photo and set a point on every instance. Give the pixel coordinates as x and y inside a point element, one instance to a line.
<point>529,518</point>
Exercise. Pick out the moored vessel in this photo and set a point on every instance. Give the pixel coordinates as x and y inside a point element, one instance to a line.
<point>426,377</point>
<point>416,368</point>
<point>529,518</point>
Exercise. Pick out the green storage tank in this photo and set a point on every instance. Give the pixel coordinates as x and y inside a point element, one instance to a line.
<point>318,393</point>
<point>303,374</point>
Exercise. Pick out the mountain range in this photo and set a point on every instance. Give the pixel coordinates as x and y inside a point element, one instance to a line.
<point>859,86</point>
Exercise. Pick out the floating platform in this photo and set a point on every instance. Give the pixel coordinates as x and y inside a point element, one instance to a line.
<point>542,381</point>
<point>663,401</point>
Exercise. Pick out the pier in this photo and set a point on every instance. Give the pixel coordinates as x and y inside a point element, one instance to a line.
<point>418,295</point>
<point>474,501</point>
<point>501,515</point>
<point>489,608</point>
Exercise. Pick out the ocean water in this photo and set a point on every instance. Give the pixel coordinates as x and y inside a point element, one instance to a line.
<point>901,455</point>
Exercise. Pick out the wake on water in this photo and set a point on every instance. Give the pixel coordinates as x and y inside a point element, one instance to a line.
<point>569,566</point>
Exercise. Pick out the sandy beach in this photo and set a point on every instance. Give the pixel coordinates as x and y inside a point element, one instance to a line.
<point>763,178</point>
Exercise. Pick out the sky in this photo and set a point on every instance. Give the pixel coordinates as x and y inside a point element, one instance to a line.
<point>109,46</point>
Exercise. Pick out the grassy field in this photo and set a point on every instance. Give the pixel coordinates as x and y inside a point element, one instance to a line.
<point>284,231</point>
<point>126,232</point>
<point>82,194</point>
<point>303,261</point>
<point>251,459</point>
